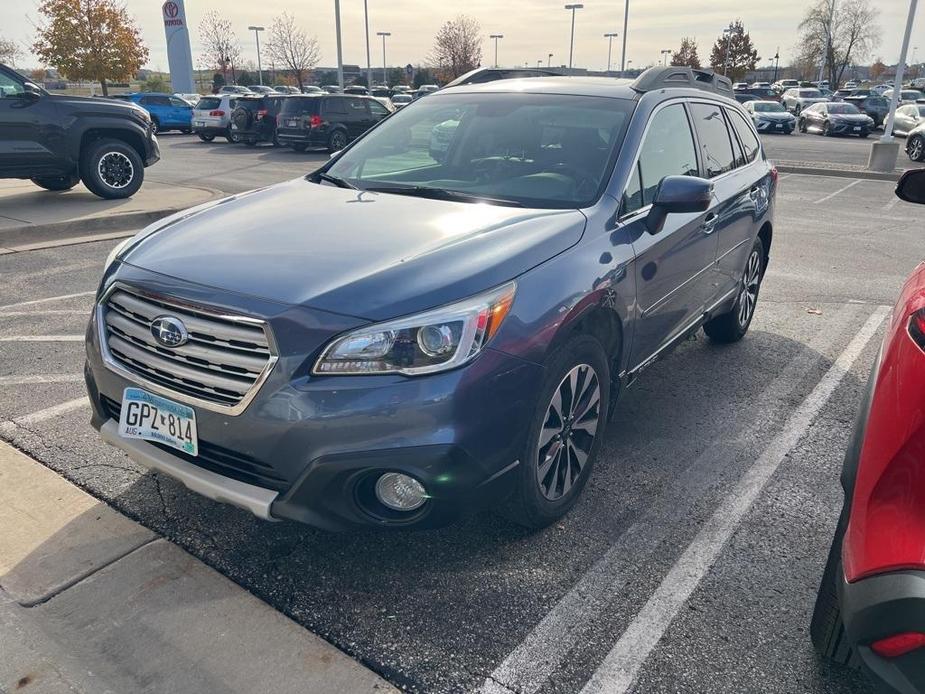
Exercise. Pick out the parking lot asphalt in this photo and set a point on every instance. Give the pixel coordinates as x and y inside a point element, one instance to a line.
<point>829,151</point>
<point>596,601</point>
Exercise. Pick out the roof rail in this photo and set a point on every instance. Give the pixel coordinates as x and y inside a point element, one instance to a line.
<point>692,78</point>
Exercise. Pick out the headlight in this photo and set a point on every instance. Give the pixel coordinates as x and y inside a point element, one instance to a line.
<point>437,340</point>
<point>114,253</point>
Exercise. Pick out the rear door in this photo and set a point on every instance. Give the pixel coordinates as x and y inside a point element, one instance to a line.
<point>181,113</point>
<point>359,118</point>
<point>674,267</point>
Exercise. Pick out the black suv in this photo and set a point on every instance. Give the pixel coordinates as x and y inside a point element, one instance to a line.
<point>872,105</point>
<point>254,119</point>
<point>58,140</point>
<point>329,121</point>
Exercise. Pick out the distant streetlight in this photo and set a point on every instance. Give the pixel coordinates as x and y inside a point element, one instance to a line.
<point>571,49</point>
<point>495,37</point>
<point>626,21</point>
<point>539,63</point>
<point>549,60</point>
<point>383,34</point>
<point>776,62</point>
<point>665,53</point>
<point>610,38</point>
<point>727,32</point>
<point>257,31</point>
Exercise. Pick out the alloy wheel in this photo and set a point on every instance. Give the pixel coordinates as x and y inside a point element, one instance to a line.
<point>568,431</point>
<point>748,295</point>
<point>916,149</point>
<point>115,170</point>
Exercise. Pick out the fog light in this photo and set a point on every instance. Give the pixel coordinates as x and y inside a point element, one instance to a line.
<point>400,492</point>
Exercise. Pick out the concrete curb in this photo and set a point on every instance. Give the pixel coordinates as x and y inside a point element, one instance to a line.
<point>91,601</point>
<point>864,174</point>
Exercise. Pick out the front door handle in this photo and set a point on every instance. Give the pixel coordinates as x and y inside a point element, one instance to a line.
<point>709,223</point>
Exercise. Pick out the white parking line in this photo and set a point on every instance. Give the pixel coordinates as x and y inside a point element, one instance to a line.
<point>8,428</point>
<point>840,190</point>
<point>46,312</point>
<point>621,666</point>
<point>532,662</point>
<point>41,338</point>
<point>47,299</point>
<point>30,380</point>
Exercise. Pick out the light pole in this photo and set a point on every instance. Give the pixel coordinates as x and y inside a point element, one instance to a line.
<point>257,31</point>
<point>626,20</point>
<point>549,60</point>
<point>727,32</point>
<point>495,37</point>
<point>610,37</point>
<point>571,49</point>
<point>665,53</point>
<point>369,64</point>
<point>539,63</point>
<point>383,34</point>
<point>776,62</point>
<point>340,51</point>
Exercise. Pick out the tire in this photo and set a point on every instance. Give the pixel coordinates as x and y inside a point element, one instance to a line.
<point>802,125</point>
<point>185,131</point>
<point>57,183</point>
<point>539,500</point>
<point>250,142</point>
<point>337,141</point>
<point>915,148</point>
<point>111,169</point>
<point>155,126</point>
<point>827,130</point>
<point>299,147</point>
<point>228,135</point>
<point>731,326</point>
<point>206,138</point>
<point>826,629</point>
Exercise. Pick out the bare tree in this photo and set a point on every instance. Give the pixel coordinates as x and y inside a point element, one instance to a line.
<point>457,48</point>
<point>289,46</point>
<point>840,33</point>
<point>9,51</point>
<point>219,43</point>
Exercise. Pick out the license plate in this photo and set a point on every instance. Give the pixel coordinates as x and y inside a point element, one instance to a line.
<point>291,123</point>
<point>779,126</point>
<point>857,128</point>
<point>199,123</point>
<point>153,418</point>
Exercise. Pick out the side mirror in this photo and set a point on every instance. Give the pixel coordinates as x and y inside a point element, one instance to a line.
<point>678,195</point>
<point>911,186</point>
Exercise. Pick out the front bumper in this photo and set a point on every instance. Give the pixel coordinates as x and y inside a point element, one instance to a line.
<point>310,448</point>
<point>152,149</point>
<point>784,126</point>
<point>879,607</point>
<point>849,128</point>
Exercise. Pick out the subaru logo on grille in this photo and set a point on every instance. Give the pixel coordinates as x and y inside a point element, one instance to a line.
<point>169,331</point>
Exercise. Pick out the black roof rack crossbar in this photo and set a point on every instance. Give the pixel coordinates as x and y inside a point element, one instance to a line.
<point>692,78</point>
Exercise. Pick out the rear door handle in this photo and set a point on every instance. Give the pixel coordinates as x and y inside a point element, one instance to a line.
<point>709,223</point>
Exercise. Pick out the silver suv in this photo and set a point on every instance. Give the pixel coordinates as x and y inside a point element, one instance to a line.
<point>795,100</point>
<point>212,116</point>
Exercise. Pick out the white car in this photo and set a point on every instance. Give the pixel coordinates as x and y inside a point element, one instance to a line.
<point>401,100</point>
<point>795,100</point>
<point>906,96</point>
<point>212,116</point>
<point>761,85</point>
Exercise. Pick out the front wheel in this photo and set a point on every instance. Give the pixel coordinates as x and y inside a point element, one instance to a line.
<point>155,126</point>
<point>915,148</point>
<point>111,169</point>
<point>732,325</point>
<point>827,130</point>
<point>565,436</point>
<point>57,183</point>
<point>802,125</point>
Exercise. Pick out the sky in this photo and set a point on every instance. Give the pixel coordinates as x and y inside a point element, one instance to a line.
<point>532,28</point>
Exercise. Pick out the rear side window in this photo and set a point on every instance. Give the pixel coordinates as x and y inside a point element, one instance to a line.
<point>155,100</point>
<point>335,107</point>
<point>715,145</point>
<point>208,103</point>
<point>357,108</point>
<point>747,137</point>
<point>301,106</point>
<point>378,109</point>
<point>668,150</point>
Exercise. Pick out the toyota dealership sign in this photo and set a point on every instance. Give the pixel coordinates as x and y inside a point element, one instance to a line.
<point>179,55</point>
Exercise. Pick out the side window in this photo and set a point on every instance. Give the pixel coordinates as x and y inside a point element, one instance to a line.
<point>378,110</point>
<point>334,108</point>
<point>715,145</point>
<point>356,109</point>
<point>178,103</point>
<point>746,135</point>
<point>9,86</point>
<point>668,150</point>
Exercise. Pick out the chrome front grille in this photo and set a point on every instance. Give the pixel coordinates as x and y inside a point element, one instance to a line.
<point>221,367</point>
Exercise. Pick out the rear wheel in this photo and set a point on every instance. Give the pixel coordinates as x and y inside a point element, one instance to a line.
<point>155,126</point>
<point>732,325</point>
<point>827,630</point>
<point>337,141</point>
<point>57,182</point>
<point>565,436</point>
<point>206,138</point>
<point>299,147</point>
<point>228,135</point>
<point>111,169</point>
<point>915,148</point>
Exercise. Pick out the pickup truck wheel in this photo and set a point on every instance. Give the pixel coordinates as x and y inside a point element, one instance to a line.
<point>206,138</point>
<point>57,182</point>
<point>111,169</point>
<point>732,325</point>
<point>565,436</point>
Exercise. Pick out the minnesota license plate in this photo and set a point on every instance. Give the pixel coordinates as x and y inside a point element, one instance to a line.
<point>292,123</point>
<point>779,126</point>
<point>857,129</point>
<point>153,418</point>
<point>198,123</point>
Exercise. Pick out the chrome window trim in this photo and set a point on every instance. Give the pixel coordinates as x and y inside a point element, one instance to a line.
<point>110,363</point>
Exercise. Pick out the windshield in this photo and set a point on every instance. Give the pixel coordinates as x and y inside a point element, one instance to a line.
<point>911,95</point>
<point>401,98</point>
<point>768,107</point>
<point>843,108</point>
<point>810,93</point>
<point>535,150</point>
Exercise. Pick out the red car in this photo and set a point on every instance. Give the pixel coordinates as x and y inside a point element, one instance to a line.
<point>871,605</point>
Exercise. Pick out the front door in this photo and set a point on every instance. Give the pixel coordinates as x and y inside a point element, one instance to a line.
<point>28,132</point>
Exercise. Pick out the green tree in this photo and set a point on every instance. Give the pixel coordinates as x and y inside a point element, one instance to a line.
<point>89,40</point>
<point>156,83</point>
<point>423,75</point>
<point>734,55</point>
<point>687,54</point>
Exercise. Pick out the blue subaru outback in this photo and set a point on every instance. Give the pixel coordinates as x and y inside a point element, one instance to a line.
<point>400,336</point>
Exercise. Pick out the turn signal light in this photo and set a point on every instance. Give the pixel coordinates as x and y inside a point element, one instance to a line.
<point>917,327</point>
<point>898,645</point>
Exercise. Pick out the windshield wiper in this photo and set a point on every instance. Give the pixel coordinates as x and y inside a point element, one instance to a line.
<point>333,180</point>
<point>442,194</point>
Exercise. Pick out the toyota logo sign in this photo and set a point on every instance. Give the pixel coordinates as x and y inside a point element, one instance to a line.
<point>171,10</point>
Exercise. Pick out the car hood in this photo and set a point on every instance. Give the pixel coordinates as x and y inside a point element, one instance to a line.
<point>95,103</point>
<point>774,115</point>
<point>811,99</point>
<point>373,256</point>
<point>849,117</point>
